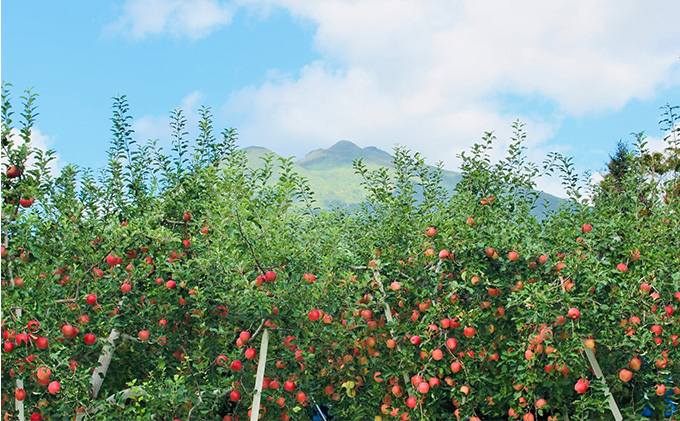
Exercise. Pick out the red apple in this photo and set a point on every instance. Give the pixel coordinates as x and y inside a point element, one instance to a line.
<point>581,386</point>
<point>513,255</point>
<point>411,402</point>
<point>270,276</point>
<point>187,217</point>
<point>456,366</point>
<point>42,343</point>
<point>621,267</point>
<point>437,354</point>
<point>415,340</point>
<point>54,387</point>
<point>235,396</point>
<point>68,331</point>
<point>289,385</point>
<point>250,353</point>
<point>236,365</point>
<point>625,375</point>
<point>92,299</point>
<point>469,332</point>
<point>430,232</point>
<point>89,339</point>
<point>20,394</point>
<point>586,227</point>
<point>300,397</point>
<point>143,335</point>
<point>573,313</point>
<point>635,363</point>
<point>13,171</point>
<point>314,315</point>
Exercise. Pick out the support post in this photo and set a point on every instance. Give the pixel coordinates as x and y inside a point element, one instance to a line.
<point>259,379</point>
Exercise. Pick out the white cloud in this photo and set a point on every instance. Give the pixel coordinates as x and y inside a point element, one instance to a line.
<point>157,127</point>
<point>432,75</point>
<point>193,19</point>
<point>40,141</point>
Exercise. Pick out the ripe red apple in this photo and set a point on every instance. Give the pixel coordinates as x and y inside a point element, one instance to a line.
<point>395,286</point>
<point>469,332</point>
<point>542,259</point>
<point>465,389</point>
<point>581,386</point>
<point>236,365</point>
<point>42,343</point>
<point>170,284</point>
<point>289,385</point>
<point>187,217</point>
<point>656,329</point>
<point>125,288</point>
<point>89,339</point>
<point>13,171</point>
<point>456,366</point>
<point>513,255</point>
<point>221,360</point>
<point>589,343</point>
<point>91,299</point>
<point>26,203</point>
<point>621,267</point>
<point>423,387</point>
<point>660,390</point>
<point>541,403</point>
<point>635,363</point>
<point>586,227</point>
<point>411,402</point>
<point>43,373</point>
<point>270,276</point>
<point>300,397</point>
<point>443,254</point>
<point>314,315</point>
<point>235,396</point>
<point>437,354</point>
<point>8,346</point>
<point>430,232</point>
<point>54,387</point>
<point>143,335</point>
<point>68,331</point>
<point>625,375</point>
<point>250,353</point>
<point>244,336</point>
<point>20,394</point>
<point>573,313</point>
<point>415,340</point>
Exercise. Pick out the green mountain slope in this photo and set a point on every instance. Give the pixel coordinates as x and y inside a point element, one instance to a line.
<point>332,178</point>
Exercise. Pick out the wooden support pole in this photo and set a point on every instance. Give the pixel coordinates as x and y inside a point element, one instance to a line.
<point>259,379</point>
<point>598,372</point>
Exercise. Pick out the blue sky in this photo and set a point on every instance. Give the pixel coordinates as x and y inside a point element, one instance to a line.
<point>296,75</point>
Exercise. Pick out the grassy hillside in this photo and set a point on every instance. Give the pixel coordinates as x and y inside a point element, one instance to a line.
<point>333,180</point>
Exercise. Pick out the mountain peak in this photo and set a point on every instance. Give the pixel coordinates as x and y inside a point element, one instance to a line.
<point>342,154</point>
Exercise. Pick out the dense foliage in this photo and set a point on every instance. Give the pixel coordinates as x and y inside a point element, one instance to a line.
<point>422,304</point>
